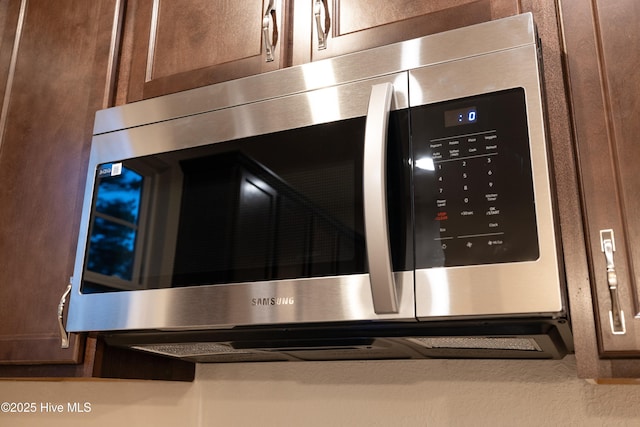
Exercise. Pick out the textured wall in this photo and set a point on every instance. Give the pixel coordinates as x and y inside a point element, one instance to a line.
<point>386,393</point>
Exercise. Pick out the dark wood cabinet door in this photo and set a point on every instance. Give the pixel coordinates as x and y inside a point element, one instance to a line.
<point>175,45</point>
<point>56,78</point>
<point>327,28</point>
<point>56,69</point>
<point>602,42</point>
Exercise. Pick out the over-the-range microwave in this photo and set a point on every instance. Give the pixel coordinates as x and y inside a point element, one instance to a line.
<point>391,203</point>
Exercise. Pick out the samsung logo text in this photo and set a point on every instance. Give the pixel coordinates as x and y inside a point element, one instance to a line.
<point>272,301</point>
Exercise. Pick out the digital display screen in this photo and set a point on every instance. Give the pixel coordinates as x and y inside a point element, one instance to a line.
<point>461,116</point>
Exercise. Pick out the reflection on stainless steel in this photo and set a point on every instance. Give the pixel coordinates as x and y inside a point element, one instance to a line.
<point>114,230</point>
<point>345,298</point>
<point>439,48</point>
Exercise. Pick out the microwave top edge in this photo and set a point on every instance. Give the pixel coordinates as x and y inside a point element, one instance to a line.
<point>502,34</point>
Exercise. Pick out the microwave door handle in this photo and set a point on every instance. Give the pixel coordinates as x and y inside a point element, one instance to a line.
<point>383,288</point>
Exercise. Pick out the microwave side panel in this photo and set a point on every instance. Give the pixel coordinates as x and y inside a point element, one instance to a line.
<point>526,287</point>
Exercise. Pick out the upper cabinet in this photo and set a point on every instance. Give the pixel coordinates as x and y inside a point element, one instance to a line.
<point>602,42</point>
<point>326,28</point>
<point>56,71</point>
<point>170,46</point>
<point>52,75</point>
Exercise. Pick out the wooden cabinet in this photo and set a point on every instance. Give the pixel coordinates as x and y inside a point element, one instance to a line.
<point>170,46</point>
<point>602,41</point>
<point>56,70</point>
<point>327,28</point>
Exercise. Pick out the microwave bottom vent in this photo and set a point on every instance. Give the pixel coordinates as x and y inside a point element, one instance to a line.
<point>207,352</point>
<point>190,349</point>
<point>538,347</point>
<point>297,350</point>
<point>482,339</point>
<point>480,343</point>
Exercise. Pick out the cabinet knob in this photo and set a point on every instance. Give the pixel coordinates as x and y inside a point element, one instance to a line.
<point>616,315</point>
<point>270,42</point>
<point>321,5</point>
<point>64,335</point>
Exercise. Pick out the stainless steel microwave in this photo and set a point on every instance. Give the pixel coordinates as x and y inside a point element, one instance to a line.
<point>392,203</point>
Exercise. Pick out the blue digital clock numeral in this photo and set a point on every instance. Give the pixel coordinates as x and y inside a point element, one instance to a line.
<point>461,116</point>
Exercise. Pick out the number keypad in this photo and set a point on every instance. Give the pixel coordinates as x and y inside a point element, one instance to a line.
<point>467,190</point>
<point>473,187</point>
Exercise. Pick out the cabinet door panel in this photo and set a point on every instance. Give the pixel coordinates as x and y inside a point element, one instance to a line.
<point>603,41</point>
<point>179,45</point>
<point>57,77</point>
<point>56,67</point>
<point>621,36</point>
<point>199,35</point>
<point>353,25</point>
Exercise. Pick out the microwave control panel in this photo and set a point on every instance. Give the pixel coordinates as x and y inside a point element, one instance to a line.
<point>474,198</point>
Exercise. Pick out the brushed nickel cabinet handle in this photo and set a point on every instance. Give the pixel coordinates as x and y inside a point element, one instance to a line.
<point>376,224</point>
<point>64,335</point>
<point>267,20</point>
<point>616,315</point>
<point>322,34</point>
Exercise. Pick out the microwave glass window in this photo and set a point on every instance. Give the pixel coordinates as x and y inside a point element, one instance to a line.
<point>473,182</point>
<point>112,255</point>
<point>280,206</point>
<point>274,207</point>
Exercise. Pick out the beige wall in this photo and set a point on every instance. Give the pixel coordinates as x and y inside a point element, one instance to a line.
<point>387,393</point>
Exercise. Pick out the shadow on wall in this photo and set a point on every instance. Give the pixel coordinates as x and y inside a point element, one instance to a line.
<point>396,372</point>
<point>415,392</point>
<point>369,393</point>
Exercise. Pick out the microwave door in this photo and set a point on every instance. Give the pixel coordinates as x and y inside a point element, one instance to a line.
<point>219,223</point>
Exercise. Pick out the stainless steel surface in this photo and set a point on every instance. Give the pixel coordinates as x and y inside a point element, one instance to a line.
<point>345,298</point>
<point>64,335</point>
<point>321,7</point>
<point>524,288</point>
<point>616,314</point>
<point>324,299</point>
<point>374,181</point>
<point>501,53</point>
<point>439,48</point>
<point>270,115</point>
<point>269,20</point>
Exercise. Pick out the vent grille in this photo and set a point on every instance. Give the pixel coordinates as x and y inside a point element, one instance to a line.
<point>190,349</point>
<point>478,343</point>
